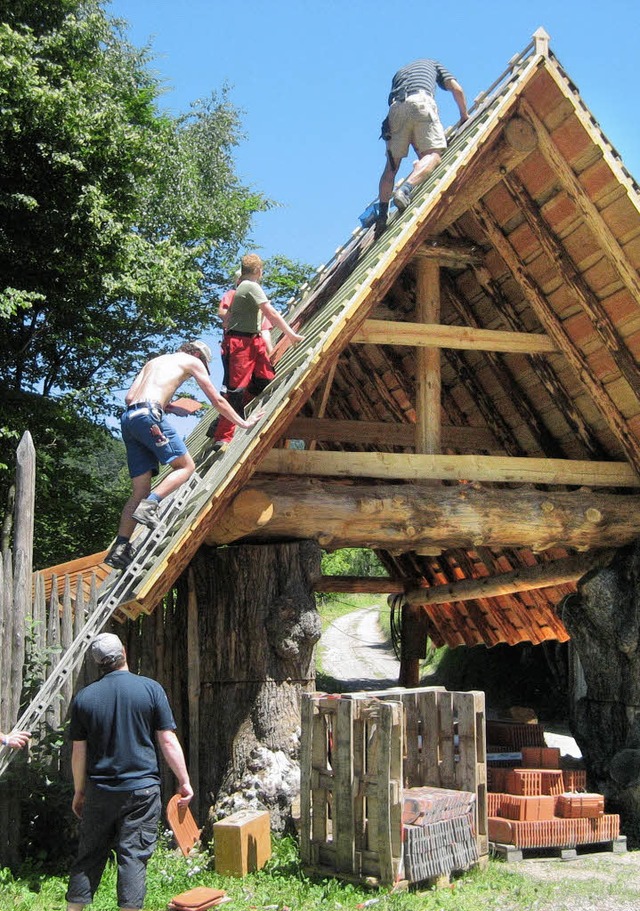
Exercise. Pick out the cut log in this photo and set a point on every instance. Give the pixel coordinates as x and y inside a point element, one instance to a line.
<point>412,517</point>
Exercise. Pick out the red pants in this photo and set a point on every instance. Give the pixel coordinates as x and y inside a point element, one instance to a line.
<point>248,371</point>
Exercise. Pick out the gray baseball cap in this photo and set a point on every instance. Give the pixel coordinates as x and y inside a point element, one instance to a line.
<point>107,649</point>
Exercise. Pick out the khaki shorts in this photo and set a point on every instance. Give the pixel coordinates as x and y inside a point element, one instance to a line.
<point>415,122</point>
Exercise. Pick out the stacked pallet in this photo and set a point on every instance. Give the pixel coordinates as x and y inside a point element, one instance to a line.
<point>437,832</point>
<point>539,805</point>
<point>392,784</point>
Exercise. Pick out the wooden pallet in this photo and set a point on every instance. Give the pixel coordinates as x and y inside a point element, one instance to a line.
<point>512,854</point>
<point>360,750</point>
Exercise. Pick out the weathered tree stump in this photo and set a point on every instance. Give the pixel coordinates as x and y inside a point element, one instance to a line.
<point>604,623</point>
<point>258,626</point>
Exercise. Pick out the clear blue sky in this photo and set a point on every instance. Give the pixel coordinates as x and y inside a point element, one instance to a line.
<point>312,77</point>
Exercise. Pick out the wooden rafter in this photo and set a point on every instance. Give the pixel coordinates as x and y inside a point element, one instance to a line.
<point>601,398</point>
<point>573,280</point>
<point>587,209</point>
<point>504,377</point>
<point>542,369</point>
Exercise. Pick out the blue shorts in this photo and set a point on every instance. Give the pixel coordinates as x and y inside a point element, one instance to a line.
<point>150,439</point>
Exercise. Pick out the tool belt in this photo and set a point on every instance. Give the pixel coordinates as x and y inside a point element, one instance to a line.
<point>150,405</point>
<point>403,95</point>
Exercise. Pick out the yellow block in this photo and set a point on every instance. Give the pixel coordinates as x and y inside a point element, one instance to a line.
<point>242,842</point>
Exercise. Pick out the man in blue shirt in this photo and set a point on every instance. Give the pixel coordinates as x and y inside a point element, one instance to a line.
<point>413,120</point>
<point>115,726</point>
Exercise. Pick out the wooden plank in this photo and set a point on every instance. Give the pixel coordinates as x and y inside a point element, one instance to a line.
<point>306,764</point>
<point>343,809</point>
<point>428,709</point>
<point>467,338</point>
<point>381,824</point>
<point>382,433</point>
<point>450,467</point>
<point>428,373</point>
<point>446,733</point>
<point>193,681</point>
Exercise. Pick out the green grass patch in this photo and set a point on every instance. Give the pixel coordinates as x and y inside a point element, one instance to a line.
<point>283,884</point>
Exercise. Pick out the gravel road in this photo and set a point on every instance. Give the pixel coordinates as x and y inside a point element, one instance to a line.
<point>354,650</point>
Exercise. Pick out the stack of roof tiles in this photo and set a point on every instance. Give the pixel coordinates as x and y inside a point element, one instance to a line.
<point>438,834</point>
<point>540,805</point>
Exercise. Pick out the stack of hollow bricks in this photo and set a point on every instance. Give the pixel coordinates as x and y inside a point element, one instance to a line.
<point>541,805</point>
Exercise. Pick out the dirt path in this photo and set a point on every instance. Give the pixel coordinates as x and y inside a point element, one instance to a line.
<point>354,650</point>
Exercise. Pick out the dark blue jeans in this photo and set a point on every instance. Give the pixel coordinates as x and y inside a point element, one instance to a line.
<point>126,821</point>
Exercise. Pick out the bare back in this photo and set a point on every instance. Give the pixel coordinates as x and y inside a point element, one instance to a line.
<point>160,377</point>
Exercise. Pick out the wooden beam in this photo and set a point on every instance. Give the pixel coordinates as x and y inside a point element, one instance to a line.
<point>412,517</point>
<point>511,388</point>
<point>428,375</point>
<point>382,433</point>
<point>543,575</point>
<point>321,407</point>
<point>588,210</point>
<point>482,175</point>
<point>532,292</point>
<point>602,323</point>
<point>543,370</point>
<point>369,585</point>
<point>448,252</point>
<point>409,467</point>
<point>469,338</point>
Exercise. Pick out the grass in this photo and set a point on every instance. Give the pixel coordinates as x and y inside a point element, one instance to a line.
<point>284,885</point>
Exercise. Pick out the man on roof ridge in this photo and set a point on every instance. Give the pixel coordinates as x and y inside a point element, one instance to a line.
<point>413,120</point>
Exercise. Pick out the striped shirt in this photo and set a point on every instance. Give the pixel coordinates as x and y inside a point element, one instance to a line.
<point>421,74</point>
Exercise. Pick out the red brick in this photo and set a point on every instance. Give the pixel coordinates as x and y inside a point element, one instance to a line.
<point>579,806</point>
<point>514,806</point>
<point>540,757</point>
<point>534,782</point>
<point>574,779</point>
<point>554,833</point>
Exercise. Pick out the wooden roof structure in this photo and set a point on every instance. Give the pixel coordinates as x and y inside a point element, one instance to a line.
<point>467,397</point>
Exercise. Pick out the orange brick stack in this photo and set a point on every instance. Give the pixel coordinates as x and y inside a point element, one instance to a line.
<point>538,806</point>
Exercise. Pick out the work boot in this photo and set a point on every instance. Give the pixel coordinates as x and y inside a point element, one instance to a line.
<point>402,197</point>
<point>147,513</point>
<point>219,446</point>
<point>120,555</point>
<point>380,226</point>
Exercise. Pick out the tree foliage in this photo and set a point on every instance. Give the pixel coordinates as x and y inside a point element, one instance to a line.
<point>116,222</point>
<point>115,218</point>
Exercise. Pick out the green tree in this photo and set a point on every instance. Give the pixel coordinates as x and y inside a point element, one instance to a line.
<point>283,278</point>
<point>115,218</point>
<point>116,221</point>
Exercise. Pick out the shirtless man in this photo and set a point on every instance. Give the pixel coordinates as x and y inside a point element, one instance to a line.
<point>150,439</point>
